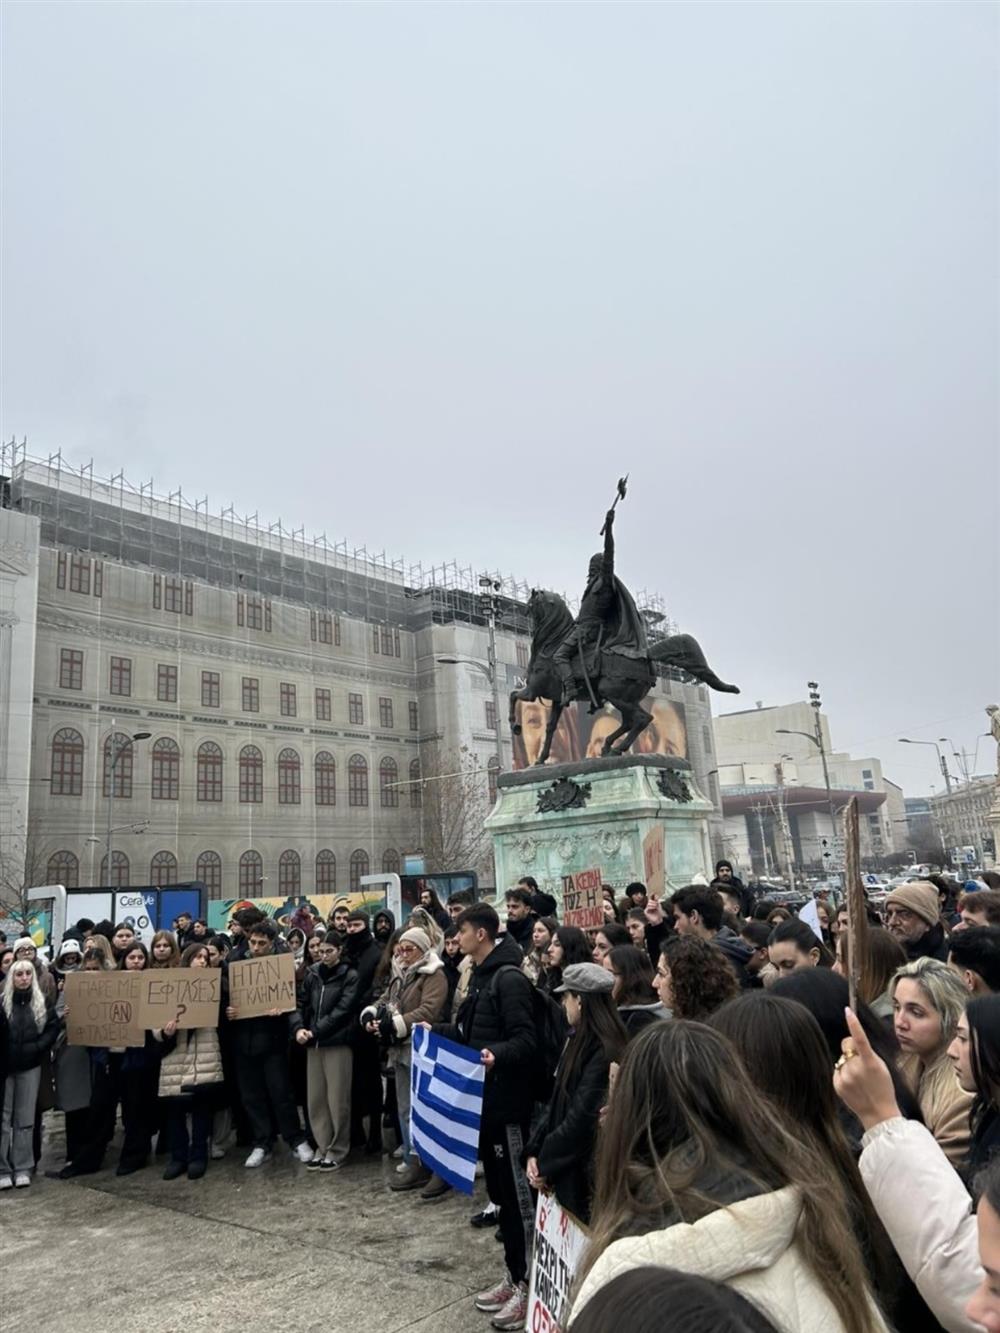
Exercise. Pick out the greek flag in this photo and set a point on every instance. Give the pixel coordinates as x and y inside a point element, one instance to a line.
<point>446,1104</point>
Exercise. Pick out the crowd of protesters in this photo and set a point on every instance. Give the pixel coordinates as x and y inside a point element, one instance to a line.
<point>688,1080</point>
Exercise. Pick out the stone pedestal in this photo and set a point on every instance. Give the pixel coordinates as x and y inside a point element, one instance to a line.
<point>553,821</point>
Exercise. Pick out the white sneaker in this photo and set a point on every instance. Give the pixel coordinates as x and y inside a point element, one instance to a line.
<point>304,1153</point>
<point>258,1157</point>
<point>22,1180</point>
<point>6,1183</point>
<point>399,1152</point>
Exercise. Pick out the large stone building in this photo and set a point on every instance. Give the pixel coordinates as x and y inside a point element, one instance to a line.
<point>778,810</point>
<point>19,556</point>
<point>275,714</point>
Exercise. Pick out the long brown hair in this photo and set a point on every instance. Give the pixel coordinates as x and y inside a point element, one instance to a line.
<point>175,954</point>
<point>785,1054</point>
<point>683,1106</point>
<point>600,1027</point>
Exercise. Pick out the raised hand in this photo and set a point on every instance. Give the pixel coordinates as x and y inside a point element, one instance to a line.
<point>861,1079</point>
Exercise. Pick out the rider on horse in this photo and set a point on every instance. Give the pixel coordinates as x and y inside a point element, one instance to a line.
<point>608,620</point>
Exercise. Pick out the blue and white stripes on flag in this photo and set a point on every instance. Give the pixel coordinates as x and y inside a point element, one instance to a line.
<point>446,1104</point>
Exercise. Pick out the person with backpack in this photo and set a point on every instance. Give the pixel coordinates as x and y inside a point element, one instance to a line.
<point>499,1019</point>
<point>561,1151</point>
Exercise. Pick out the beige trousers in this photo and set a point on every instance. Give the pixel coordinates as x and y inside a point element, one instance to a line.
<point>328,1084</point>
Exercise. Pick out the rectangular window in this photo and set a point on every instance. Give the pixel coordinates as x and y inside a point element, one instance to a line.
<point>254,612</point>
<point>866,773</point>
<point>491,714</point>
<point>70,669</point>
<point>189,598</point>
<point>61,570</point>
<point>267,617</point>
<point>414,716</point>
<point>320,627</point>
<point>324,711</point>
<point>173,595</point>
<point>355,710</point>
<point>312,626</point>
<point>166,683</point>
<point>241,609</point>
<point>521,648</point>
<point>251,694</point>
<point>211,683</point>
<point>79,574</point>
<point>387,641</point>
<point>385,713</point>
<point>287,693</point>
<point>375,639</point>
<point>157,592</point>
<point>336,631</point>
<point>98,578</point>
<point>121,676</point>
<point>396,645</point>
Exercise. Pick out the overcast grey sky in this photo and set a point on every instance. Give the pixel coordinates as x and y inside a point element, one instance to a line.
<point>431,277</point>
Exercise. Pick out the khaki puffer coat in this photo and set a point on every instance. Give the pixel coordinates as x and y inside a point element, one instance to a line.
<point>195,1061</point>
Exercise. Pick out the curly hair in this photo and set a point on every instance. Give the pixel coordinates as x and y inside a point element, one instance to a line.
<point>700,976</point>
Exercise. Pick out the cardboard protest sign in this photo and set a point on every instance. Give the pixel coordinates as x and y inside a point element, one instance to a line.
<point>653,862</point>
<point>102,1008</point>
<point>261,984</point>
<point>559,1244</point>
<point>583,902</point>
<point>188,996</point>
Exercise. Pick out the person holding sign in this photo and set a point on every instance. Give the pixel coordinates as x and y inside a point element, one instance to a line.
<point>261,1049</point>
<point>560,1152</point>
<point>138,1070</point>
<point>31,1029</point>
<point>191,1082</point>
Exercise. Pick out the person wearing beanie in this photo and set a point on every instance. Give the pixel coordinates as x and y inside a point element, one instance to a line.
<point>912,915</point>
<point>362,952</point>
<point>417,993</point>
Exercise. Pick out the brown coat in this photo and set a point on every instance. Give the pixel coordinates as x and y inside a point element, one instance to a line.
<point>943,1104</point>
<point>419,998</point>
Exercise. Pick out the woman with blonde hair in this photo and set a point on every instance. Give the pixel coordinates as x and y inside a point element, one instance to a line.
<point>31,1029</point>
<point>695,1172</point>
<point>928,1000</point>
<point>421,919</point>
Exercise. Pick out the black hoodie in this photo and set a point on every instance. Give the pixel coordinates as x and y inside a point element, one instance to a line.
<point>392,924</point>
<point>363,951</point>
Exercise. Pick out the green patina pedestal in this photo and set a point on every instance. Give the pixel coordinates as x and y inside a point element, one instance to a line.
<point>552,821</point>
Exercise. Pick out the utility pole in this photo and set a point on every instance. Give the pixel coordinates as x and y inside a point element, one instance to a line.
<point>814,700</point>
<point>786,833</point>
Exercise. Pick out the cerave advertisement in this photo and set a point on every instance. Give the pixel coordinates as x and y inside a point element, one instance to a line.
<point>581,736</point>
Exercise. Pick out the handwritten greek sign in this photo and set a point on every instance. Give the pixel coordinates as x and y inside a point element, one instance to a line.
<point>102,1008</point>
<point>652,861</point>
<point>583,902</point>
<point>261,984</point>
<point>188,996</point>
<point>559,1244</point>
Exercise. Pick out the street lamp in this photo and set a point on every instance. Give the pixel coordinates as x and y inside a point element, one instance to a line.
<point>905,740</point>
<point>116,750</point>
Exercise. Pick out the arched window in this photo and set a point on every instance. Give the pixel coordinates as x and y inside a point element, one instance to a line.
<point>289,873</point>
<point>209,771</point>
<point>390,862</point>
<point>416,789</point>
<point>326,871</point>
<point>64,869</point>
<point>251,775</point>
<point>359,867</point>
<point>357,780</point>
<point>120,746</point>
<point>67,763</point>
<point>388,783</point>
<point>289,778</point>
<point>163,870</point>
<point>120,871</point>
<point>251,874</point>
<point>492,773</point>
<point>326,778</point>
<point>166,770</point>
<point>208,868</point>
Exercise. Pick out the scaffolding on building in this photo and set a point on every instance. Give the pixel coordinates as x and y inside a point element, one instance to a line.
<point>136,525</point>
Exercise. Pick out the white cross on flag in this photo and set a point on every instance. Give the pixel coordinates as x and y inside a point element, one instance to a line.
<point>446,1104</point>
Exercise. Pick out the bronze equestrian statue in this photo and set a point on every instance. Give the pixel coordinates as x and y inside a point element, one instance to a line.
<point>603,656</point>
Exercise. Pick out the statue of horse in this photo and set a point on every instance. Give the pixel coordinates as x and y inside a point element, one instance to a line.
<point>622,681</point>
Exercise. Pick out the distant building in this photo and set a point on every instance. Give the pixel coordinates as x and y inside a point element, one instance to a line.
<point>19,561</point>
<point>961,816</point>
<point>774,794</point>
<point>300,700</point>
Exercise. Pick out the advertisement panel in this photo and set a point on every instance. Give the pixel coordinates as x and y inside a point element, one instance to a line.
<point>581,736</point>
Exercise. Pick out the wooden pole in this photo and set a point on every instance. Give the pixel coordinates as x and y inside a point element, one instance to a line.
<point>857,916</point>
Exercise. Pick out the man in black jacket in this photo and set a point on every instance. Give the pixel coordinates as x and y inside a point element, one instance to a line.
<point>261,1057</point>
<point>498,1019</point>
<point>520,918</point>
<point>362,952</point>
